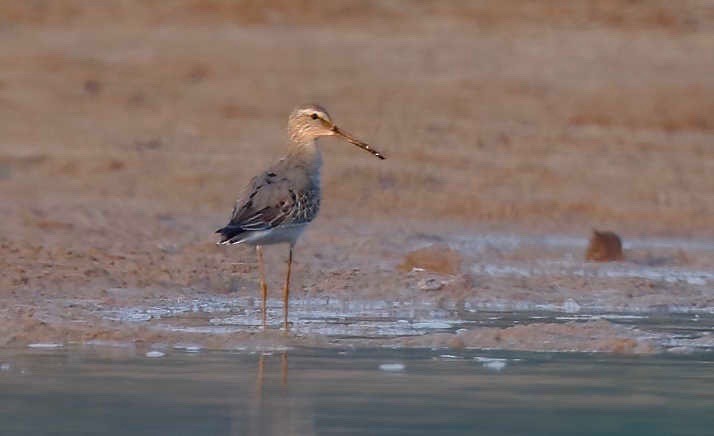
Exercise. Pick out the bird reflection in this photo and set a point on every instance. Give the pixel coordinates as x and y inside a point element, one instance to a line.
<point>261,372</point>
<point>272,410</point>
<point>284,368</point>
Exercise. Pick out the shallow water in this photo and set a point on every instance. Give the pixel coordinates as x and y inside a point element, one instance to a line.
<point>518,280</point>
<point>351,321</point>
<point>363,391</point>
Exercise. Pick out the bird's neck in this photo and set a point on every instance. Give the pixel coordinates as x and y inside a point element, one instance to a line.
<point>307,152</point>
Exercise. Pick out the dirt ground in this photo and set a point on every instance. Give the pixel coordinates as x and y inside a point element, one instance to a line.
<point>128,128</point>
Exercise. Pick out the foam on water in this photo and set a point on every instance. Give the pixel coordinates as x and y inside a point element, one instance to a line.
<point>392,367</point>
<point>45,345</point>
<point>108,343</point>
<point>492,363</point>
<point>189,348</point>
<point>319,316</point>
<point>155,354</point>
<point>449,357</point>
<point>355,319</point>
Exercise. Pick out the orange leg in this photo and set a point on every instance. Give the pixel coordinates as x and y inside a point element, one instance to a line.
<point>286,289</point>
<point>263,284</point>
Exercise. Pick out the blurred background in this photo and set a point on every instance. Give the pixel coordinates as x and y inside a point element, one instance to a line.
<point>131,125</point>
<point>550,114</point>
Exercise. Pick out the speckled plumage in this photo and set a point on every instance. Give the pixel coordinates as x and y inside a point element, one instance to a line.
<point>279,203</point>
<point>287,194</point>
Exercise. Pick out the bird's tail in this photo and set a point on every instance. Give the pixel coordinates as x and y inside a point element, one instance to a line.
<point>230,234</point>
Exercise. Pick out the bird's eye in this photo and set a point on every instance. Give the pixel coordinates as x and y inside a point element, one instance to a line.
<point>314,116</point>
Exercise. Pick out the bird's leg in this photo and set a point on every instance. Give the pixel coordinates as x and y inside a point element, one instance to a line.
<point>286,289</point>
<point>263,284</point>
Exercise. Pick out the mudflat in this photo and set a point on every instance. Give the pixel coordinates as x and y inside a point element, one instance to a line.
<point>512,130</point>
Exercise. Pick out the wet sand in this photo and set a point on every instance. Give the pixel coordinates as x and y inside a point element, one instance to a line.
<point>510,137</point>
<point>351,288</point>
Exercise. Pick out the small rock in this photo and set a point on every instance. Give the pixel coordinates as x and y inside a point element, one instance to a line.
<point>430,284</point>
<point>437,258</point>
<point>604,246</point>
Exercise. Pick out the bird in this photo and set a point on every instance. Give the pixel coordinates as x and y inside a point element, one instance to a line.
<point>279,203</point>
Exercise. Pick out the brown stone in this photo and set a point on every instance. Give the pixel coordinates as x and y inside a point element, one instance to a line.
<point>436,258</point>
<point>604,246</point>
<point>455,343</point>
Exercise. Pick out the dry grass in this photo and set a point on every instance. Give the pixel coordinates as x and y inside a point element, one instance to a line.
<point>554,115</point>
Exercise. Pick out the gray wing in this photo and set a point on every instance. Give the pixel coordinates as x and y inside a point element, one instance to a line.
<point>272,200</point>
<point>268,204</point>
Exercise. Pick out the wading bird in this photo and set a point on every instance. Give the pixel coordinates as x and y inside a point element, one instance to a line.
<point>280,202</point>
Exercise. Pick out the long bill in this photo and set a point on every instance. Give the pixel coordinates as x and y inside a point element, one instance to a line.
<point>352,140</point>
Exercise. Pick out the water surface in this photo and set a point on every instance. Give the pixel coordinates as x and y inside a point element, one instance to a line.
<point>119,391</point>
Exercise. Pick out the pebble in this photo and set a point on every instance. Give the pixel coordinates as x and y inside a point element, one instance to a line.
<point>430,284</point>
<point>436,258</point>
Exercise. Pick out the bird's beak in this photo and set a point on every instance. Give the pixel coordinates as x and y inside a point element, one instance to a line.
<point>352,140</point>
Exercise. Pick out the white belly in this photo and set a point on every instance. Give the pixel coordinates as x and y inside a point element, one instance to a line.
<point>280,235</point>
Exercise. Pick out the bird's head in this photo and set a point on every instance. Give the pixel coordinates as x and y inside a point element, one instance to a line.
<point>309,122</point>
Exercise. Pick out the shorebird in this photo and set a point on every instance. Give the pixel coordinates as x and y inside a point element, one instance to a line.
<point>281,201</point>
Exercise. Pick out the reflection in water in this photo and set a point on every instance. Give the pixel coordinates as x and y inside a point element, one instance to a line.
<point>261,371</point>
<point>284,367</point>
<point>272,410</point>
